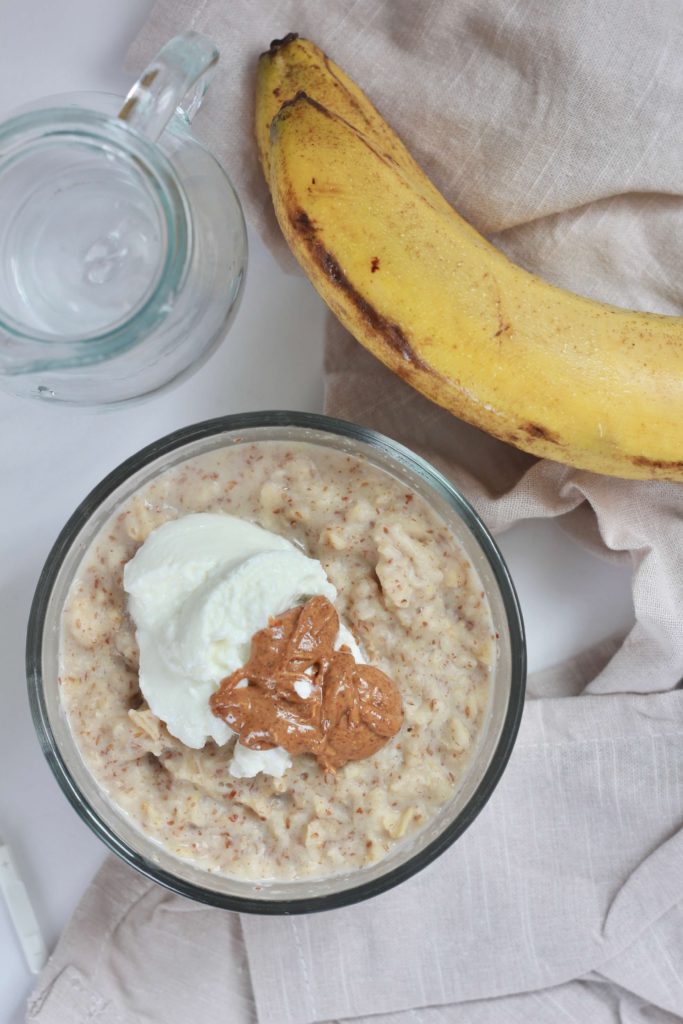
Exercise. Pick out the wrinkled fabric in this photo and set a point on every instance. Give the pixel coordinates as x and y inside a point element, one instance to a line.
<point>554,130</point>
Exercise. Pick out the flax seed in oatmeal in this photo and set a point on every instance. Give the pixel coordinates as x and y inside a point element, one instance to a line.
<point>408,593</point>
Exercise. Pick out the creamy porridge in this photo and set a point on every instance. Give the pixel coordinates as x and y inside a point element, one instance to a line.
<point>409,596</point>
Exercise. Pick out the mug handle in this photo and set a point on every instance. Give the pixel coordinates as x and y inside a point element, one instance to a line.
<point>177,79</point>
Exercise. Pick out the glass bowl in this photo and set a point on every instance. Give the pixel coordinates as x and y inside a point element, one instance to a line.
<point>114,827</point>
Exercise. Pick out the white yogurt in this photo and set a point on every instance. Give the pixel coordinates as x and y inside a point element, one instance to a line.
<point>198,589</point>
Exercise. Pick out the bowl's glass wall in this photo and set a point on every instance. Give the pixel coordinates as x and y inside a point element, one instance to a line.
<point>113,826</point>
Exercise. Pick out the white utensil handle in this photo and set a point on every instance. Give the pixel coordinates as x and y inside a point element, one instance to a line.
<point>21,912</point>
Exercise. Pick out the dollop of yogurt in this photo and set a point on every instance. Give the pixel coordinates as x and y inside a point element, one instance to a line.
<point>198,589</point>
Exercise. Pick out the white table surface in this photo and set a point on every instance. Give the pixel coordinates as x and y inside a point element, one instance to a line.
<point>50,457</point>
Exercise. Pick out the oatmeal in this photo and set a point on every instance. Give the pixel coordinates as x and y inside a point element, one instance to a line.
<point>414,605</point>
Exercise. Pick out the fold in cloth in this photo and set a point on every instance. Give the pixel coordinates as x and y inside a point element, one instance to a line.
<point>554,129</point>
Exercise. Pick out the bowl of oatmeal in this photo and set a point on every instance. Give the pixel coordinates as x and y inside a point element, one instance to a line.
<point>276,662</point>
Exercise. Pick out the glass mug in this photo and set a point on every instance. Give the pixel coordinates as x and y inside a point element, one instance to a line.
<point>122,243</point>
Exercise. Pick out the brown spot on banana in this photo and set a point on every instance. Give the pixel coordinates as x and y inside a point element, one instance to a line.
<point>503,325</point>
<point>537,431</point>
<point>641,460</point>
<point>303,225</point>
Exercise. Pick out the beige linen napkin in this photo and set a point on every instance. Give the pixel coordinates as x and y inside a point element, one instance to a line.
<point>554,128</point>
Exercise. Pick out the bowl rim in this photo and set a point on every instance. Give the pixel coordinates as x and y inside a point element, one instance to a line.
<point>230,424</point>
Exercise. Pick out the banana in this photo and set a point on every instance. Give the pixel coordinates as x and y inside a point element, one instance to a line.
<point>551,372</point>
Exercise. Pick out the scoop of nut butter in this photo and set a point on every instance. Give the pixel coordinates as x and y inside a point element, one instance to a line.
<point>298,692</point>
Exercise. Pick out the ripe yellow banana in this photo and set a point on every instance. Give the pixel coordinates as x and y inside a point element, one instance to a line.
<point>551,372</point>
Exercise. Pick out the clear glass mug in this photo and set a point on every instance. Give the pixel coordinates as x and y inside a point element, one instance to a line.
<point>122,243</point>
